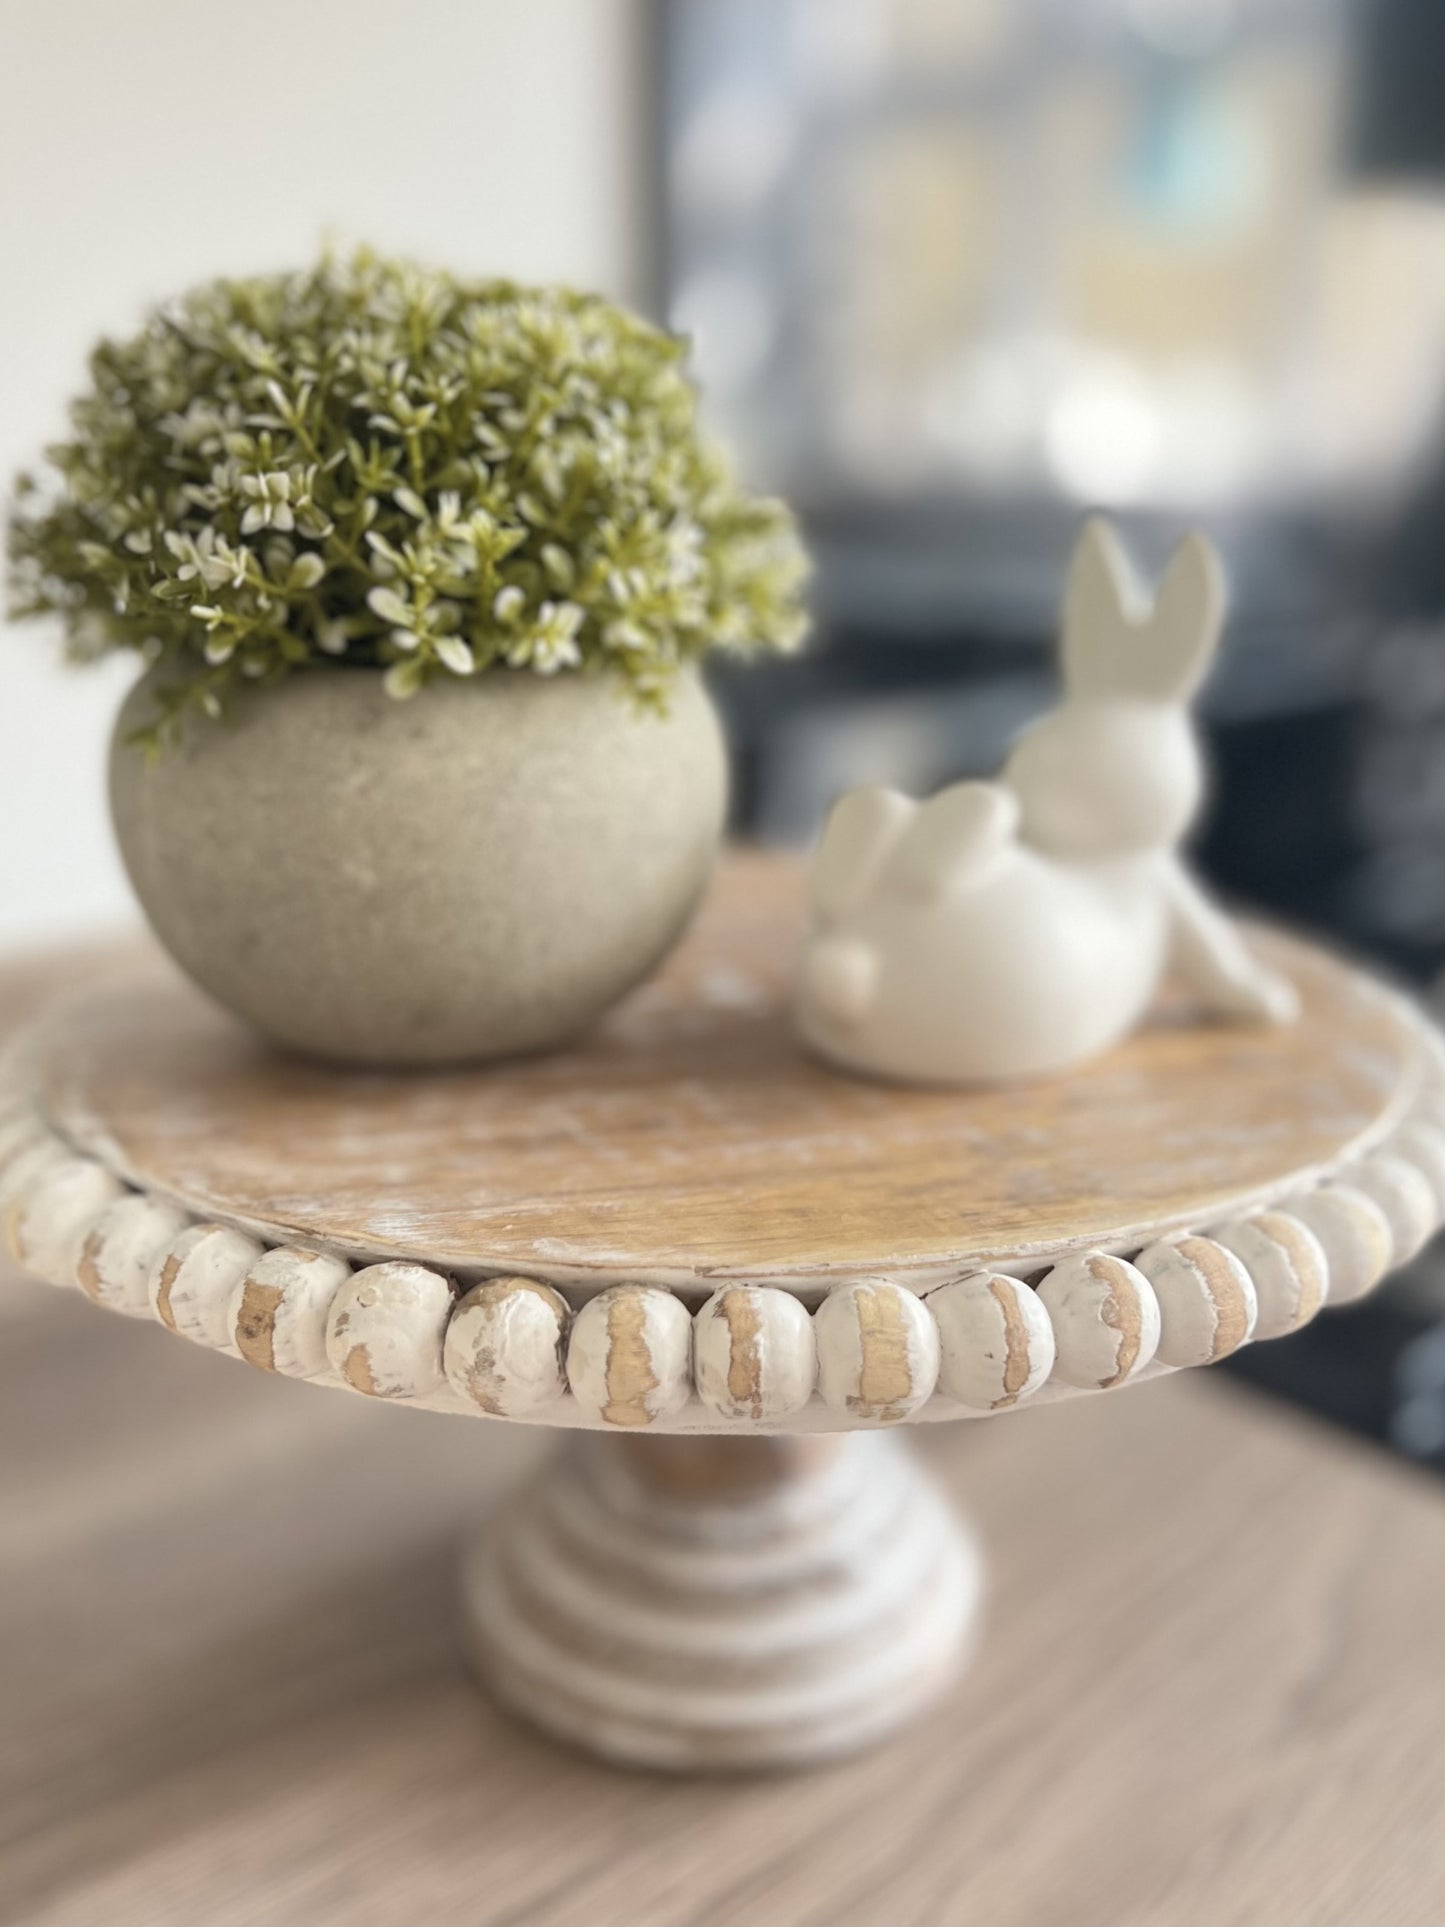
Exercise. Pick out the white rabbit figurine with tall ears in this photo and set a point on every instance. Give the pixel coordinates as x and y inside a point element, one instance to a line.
<point>1014,929</point>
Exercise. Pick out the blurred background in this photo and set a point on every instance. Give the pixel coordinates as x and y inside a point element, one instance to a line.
<point>956,272</point>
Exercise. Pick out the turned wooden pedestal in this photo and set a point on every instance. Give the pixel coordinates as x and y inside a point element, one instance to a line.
<point>722,1603</point>
<point>729,1272</point>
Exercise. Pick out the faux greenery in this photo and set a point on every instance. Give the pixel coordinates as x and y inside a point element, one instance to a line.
<point>372,463</point>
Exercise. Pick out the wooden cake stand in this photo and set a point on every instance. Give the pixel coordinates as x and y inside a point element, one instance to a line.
<point>740,1268</point>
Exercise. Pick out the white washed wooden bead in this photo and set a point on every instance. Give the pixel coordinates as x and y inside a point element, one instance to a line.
<point>194,1281</point>
<point>123,1247</point>
<point>629,1355</point>
<point>878,1350</point>
<point>1105,1318</point>
<point>47,1223</point>
<point>1287,1264</point>
<point>1354,1235</point>
<point>19,1133</point>
<point>1402,1193</point>
<point>1423,1144</point>
<point>16,1088</point>
<point>28,1165</point>
<point>754,1354</point>
<point>504,1347</point>
<point>385,1329</point>
<point>996,1342</point>
<point>279,1310</point>
<point>1207,1302</point>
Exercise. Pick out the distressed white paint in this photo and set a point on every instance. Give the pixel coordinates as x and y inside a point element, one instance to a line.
<point>1354,1235</point>
<point>878,1351</point>
<point>1422,1144</point>
<point>1105,1318</point>
<point>385,1329</point>
<point>1287,1263</point>
<point>504,1347</point>
<point>754,1354</point>
<point>47,1225</point>
<point>278,1312</point>
<point>122,1249</point>
<point>1208,1307</point>
<point>996,1341</point>
<point>20,1131</point>
<point>1403,1194</point>
<point>629,1356</point>
<point>768,1631</point>
<point>194,1280</point>
<point>31,1159</point>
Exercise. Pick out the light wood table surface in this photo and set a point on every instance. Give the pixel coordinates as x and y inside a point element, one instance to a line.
<point>1211,1686</point>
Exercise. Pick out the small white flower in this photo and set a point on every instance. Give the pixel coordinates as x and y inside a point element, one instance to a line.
<point>201,422</point>
<point>624,635</point>
<point>388,560</point>
<point>209,556</point>
<point>509,604</point>
<point>332,637</point>
<point>403,679</point>
<point>558,564</point>
<point>270,499</point>
<point>306,571</point>
<point>551,644</point>
<point>391,607</point>
<point>550,473</point>
<point>456,654</point>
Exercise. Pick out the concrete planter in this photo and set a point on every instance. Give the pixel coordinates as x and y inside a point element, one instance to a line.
<point>479,871</point>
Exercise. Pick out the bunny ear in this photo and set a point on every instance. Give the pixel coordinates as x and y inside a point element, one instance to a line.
<point>862,828</point>
<point>1113,645</point>
<point>1102,605</point>
<point>1188,616</point>
<point>954,837</point>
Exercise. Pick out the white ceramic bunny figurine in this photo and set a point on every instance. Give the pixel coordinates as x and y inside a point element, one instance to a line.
<point>1013,929</point>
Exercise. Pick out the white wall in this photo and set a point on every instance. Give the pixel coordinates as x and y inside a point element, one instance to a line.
<point>147,144</point>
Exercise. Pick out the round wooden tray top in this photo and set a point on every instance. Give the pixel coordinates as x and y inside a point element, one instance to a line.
<point>690,1141</point>
<point>619,1235</point>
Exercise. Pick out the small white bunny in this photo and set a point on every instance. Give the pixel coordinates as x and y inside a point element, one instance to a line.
<point>1013,929</point>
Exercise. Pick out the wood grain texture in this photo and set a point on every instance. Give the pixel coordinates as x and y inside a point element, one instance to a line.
<point>690,1141</point>
<point>623,1606</point>
<point>1209,1690</point>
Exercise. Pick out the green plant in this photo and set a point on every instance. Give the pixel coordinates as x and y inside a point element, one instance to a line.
<point>368,462</point>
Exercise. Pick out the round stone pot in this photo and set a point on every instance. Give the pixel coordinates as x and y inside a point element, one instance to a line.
<point>478,871</point>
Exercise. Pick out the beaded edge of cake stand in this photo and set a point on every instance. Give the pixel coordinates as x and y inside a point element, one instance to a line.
<point>753,1357</point>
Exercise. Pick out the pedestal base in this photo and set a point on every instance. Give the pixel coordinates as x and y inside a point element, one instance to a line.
<point>703,1603</point>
